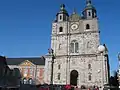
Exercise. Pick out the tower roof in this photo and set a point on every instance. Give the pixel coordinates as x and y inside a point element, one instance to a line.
<point>34,60</point>
<point>62,10</point>
<point>88,2</point>
<point>89,5</point>
<point>74,16</point>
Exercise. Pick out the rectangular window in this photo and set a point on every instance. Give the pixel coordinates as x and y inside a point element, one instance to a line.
<point>60,46</point>
<point>38,72</point>
<point>72,47</point>
<point>76,47</point>
<point>89,77</point>
<point>58,76</point>
<point>60,17</point>
<point>31,71</point>
<point>26,71</point>
<point>89,13</point>
<point>59,66</point>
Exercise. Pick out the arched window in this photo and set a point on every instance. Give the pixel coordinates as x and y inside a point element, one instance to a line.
<point>25,81</point>
<point>74,46</point>
<point>89,77</point>
<point>61,29</point>
<point>89,66</point>
<point>87,26</point>
<point>30,81</point>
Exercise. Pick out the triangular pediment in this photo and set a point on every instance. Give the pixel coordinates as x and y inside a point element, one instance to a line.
<point>26,63</point>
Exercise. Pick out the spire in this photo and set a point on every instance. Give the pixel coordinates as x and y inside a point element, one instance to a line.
<point>74,11</point>
<point>88,2</point>
<point>89,5</point>
<point>62,7</point>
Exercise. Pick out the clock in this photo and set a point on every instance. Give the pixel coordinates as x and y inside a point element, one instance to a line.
<point>74,26</point>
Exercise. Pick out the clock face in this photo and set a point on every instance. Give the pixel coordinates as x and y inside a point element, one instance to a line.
<point>74,26</point>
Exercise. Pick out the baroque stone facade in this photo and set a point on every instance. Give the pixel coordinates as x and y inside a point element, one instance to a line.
<point>75,40</point>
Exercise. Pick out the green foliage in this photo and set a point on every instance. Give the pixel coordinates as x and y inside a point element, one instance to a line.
<point>114,79</point>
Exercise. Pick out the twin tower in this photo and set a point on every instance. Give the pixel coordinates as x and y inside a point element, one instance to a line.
<point>80,60</point>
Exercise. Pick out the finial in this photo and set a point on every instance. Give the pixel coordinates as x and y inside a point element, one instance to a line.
<point>62,6</point>
<point>74,11</point>
<point>88,2</point>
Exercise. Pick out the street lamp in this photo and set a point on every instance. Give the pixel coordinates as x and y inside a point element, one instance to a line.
<point>51,52</point>
<point>25,75</point>
<point>119,69</point>
<point>101,50</point>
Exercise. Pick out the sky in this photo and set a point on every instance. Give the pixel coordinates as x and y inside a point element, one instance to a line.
<point>25,26</point>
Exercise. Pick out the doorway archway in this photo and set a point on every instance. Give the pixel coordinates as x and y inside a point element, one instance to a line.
<point>73,77</point>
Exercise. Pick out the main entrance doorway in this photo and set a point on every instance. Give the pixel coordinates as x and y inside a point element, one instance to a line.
<point>73,77</point>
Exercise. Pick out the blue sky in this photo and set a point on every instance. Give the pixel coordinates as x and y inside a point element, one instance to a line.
<point>25,25</point>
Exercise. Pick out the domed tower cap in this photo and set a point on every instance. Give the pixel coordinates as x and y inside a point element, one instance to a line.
<point>89,5</point>
<point>62,10</point>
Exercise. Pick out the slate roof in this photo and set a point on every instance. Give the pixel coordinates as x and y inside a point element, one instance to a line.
<point>17,61</point>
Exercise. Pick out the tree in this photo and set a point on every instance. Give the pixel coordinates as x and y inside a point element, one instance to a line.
<point>114,79</point>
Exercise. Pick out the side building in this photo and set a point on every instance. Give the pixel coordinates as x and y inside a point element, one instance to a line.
<point>32,69</point>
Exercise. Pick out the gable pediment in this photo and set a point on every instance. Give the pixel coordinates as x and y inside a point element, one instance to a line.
<point>26,63</point>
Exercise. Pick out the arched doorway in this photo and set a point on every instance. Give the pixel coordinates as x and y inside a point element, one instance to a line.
<point>73,77</point>
<point>25,81</point>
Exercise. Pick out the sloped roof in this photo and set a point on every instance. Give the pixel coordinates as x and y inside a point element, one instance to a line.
<point>17,61</point>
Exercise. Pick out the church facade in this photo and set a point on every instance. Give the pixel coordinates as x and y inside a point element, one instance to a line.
<point>80,59</point>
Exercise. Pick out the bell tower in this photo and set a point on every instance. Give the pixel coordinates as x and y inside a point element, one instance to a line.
<point>89,11</point>
<point>59,31</point>
<point>62,15</point>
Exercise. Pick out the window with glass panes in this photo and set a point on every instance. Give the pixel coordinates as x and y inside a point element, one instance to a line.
<point>74,46</point>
